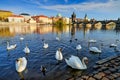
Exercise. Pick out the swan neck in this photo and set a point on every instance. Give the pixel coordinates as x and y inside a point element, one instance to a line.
<point>100,47</point>
<point>8,44</point>
<point>83,62</point>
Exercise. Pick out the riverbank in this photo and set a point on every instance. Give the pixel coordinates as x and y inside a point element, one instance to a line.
<point>105,69</point>
<point>21,24</point>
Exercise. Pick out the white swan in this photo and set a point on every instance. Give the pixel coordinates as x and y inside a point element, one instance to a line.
<point>26,49</point>
<point>10,47</point>
<point>92,41</point>
<point>59,55</point>
<point>21,38</point>
<point>45,45</point>
<point>76,63</point>
<point>57,38</point>
<point>113,45</point>
<point>21,64</point>
<point>95,49</point>
<point>78,47</point>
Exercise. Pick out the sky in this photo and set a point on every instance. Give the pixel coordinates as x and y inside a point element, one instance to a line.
<point>98,9</point>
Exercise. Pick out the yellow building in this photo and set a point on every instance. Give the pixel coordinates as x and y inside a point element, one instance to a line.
<point>4,14</point>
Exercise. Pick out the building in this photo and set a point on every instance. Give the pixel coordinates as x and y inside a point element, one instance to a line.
<point>66,20</point>
<point>26,17</point>
<point>16,19</point>
<point>4,14</point>
<point>31,21</point>
<point>42,19</point>
<point>86,18</point>
<point>73,16</point>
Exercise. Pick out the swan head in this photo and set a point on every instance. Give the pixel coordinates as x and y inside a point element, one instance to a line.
<point>18,61</point>
<point>85,59</point>
<point>26,45</point>
<point>59,49</point>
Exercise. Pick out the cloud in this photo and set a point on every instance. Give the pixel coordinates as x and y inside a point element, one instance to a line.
<point>110,6</point>
<point>66,1</point>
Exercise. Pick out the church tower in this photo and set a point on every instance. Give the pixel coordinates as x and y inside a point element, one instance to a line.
<point>73,16</point>
<point>85,18</point>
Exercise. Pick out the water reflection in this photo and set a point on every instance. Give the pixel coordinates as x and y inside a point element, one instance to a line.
<point>6,31</point>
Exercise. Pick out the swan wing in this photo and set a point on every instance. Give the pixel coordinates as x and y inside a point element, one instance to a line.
<point>21,65</point>
<point>11,46</point>
<point>113,45</point>
<point>94,49</point>
<point>92,41</point>
<point>26,50</point>
<point>74,62</point>
<point>45,45</point>
<point>78,47</point>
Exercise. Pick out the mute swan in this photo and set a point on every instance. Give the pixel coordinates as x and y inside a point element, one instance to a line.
<point>21,64</point>
<point>76,63</point>
<point>92,41</point>
<point>21,38</point>
<point>43,70</point>
<point>95,49</point>
<point>45,45</point>
<point>57,38</point>
<point>26,49</point>
<point>59,55</point>
<point>10,47</point>
<point>78,47</point>
<point>114,44</point>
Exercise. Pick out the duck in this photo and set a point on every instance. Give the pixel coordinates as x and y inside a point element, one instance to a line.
<point>59,55</point>
<point>45,45</point>
<point>43,70</point>
<point>76,63</point>
<point>21,38</point>
<point>78,47</point>
<point>21,64</point>
<point>10,47</point>
<point>70,40</point>
<point>76,39</point>
<point>26,49</point>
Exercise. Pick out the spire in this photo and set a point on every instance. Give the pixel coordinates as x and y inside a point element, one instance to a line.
<point>85,16</point>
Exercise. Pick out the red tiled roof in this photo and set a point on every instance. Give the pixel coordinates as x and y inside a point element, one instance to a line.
<point>40,16</point>
<point>16,16</point>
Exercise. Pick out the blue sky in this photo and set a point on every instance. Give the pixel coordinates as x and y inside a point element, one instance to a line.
<point>98,9</point>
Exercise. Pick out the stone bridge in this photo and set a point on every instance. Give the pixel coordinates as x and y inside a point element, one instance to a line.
<point>100,24</point>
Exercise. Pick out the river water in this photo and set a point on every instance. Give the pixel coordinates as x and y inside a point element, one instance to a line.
<point>33,36</point>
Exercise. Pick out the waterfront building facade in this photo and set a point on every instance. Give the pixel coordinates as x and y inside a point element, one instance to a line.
<point>26,17</point>
<point>42,19</point>
<point>16,19</point>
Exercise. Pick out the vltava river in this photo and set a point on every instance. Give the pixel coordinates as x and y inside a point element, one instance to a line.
<point>69,36</point>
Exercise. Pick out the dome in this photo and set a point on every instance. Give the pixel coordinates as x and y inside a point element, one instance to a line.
<point>59,15</point>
